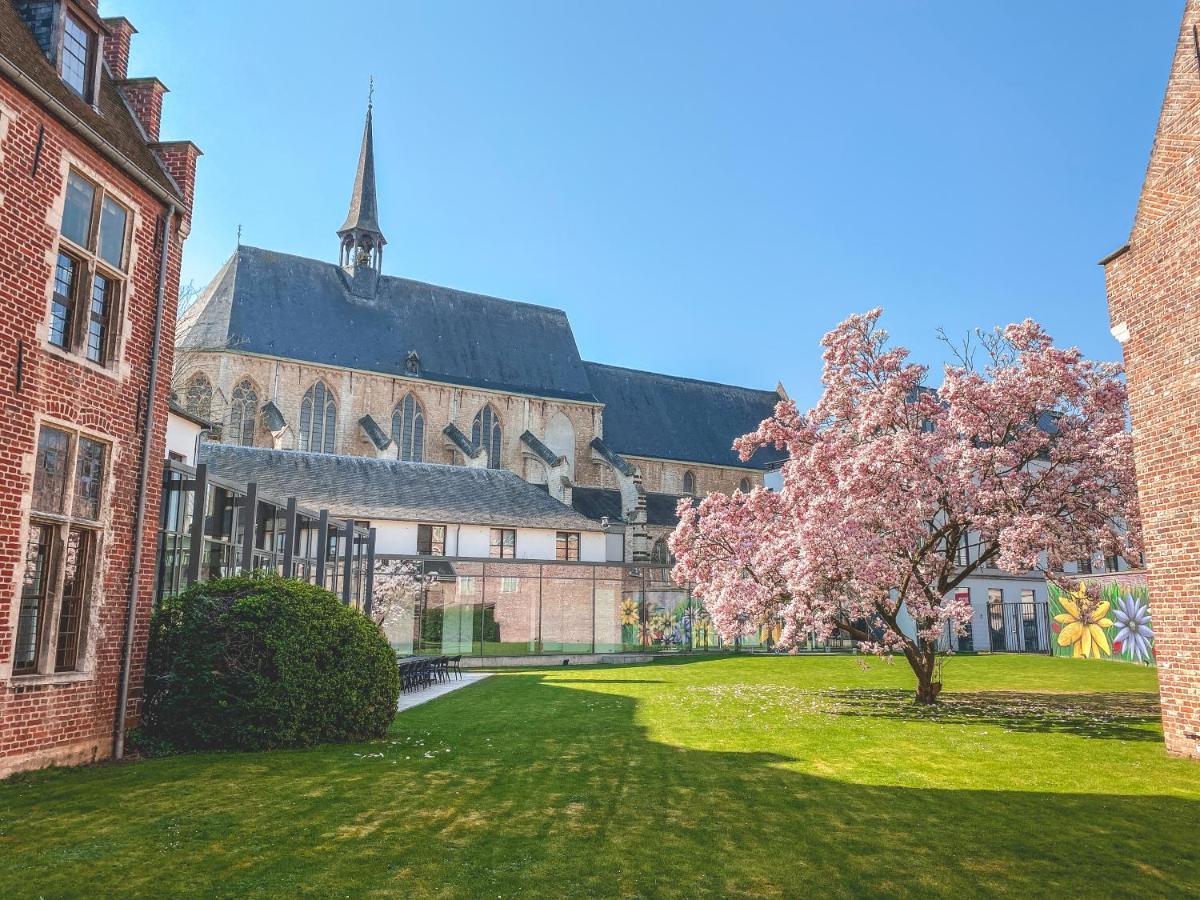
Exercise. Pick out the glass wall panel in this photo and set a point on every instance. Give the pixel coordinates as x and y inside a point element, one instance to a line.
<point>568,613</point>
<point>509,607</point>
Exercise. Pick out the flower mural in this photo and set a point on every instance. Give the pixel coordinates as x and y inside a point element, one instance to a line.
<point>1084,620</point>
<point>1134,633</point>
<point>1103,618</point>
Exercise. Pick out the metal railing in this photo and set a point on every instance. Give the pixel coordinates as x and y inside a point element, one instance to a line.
<point>212,527</point>
<point>1004,628</point>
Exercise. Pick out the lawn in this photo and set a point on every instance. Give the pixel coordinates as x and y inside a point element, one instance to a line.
<point>754,776</point>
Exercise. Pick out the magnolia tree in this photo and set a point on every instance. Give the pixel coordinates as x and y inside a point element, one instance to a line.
<point>1025,459</point>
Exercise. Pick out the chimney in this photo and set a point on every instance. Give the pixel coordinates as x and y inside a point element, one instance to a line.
<point>145,98</point>
<point>116,46</point>
<point>179,159</point>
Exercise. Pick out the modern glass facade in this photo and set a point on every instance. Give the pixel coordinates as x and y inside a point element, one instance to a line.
<point>241,530</point>
<point>502,607</point>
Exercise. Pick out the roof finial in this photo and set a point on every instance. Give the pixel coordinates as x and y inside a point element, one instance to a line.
<point>371,94</point>
<point>239,234</point>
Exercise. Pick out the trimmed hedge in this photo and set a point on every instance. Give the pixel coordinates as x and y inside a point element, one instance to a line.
<point>258,662</point>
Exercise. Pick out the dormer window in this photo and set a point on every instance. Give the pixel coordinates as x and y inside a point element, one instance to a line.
<point>78,56</point>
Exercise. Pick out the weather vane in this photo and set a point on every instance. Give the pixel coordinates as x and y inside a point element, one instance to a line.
<point>371,92</point>
<point>239,243</point>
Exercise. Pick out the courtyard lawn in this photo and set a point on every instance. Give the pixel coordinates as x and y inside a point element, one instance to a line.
<point>753,776</point>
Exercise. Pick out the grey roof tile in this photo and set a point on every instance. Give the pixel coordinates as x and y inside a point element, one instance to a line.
<point>668,417</point>
<point>281,305</point>
<point>366,488</point>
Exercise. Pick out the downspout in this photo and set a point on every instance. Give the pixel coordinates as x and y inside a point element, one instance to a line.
<point>139,517</point>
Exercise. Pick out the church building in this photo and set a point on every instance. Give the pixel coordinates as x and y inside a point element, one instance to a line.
<point>338,358</point>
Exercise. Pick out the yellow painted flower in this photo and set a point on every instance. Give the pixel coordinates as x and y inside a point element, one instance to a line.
<point>629,612</point>
<point>1083,622</point>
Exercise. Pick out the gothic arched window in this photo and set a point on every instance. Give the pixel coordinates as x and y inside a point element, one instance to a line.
<point>243,413</point>
<point>744,486</point>
<point>318,419</point>
<point>660,554</point>
<point>486,434</point>
<point>408,429</point>
<point>197,396</point>
<point>689,482</point>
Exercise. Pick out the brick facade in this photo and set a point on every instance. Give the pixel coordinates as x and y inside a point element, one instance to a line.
<point>1154,304</point>
<point>52,716</point>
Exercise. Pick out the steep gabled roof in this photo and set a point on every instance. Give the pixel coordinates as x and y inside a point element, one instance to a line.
<point>366,488</point>
<point>668,417</point>
<point>111,119</point>
<point>289,306</point>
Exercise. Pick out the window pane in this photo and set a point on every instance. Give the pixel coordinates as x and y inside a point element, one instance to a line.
<point>50,477</point>
<point>89,475</point>
<point>77,568</point>
<point>77,43</point>
<point>77,212</point>
<point>98,310</point>
<point>112,233</point>
<point>34,587</point>
<point>63,301</point>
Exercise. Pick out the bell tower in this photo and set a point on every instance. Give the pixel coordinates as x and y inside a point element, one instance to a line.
<point>362,241</point>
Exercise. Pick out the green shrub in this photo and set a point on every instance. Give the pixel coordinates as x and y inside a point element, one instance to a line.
<point>257,662</point>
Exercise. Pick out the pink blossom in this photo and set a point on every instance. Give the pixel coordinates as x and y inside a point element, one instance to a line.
<point>1028,457</point>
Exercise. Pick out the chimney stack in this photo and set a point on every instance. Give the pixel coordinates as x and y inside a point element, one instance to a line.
<point>116,46</point>
<point>145,98</point>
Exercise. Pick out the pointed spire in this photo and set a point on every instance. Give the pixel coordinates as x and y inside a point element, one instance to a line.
<point>364,207</point>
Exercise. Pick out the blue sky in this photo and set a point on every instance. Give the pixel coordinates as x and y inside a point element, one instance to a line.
<point>706,188</point>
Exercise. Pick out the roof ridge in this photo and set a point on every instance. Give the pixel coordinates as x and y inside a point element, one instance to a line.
<point>415,281</point>
<point>686,378</point>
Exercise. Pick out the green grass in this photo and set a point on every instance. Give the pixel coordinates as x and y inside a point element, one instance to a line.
<point>753,776</point>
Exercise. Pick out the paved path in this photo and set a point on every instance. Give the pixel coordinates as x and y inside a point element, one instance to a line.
<point>416,698</point>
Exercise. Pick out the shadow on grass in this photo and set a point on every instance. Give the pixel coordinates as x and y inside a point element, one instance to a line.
<point>524,786</point>
<point>1117,715</point>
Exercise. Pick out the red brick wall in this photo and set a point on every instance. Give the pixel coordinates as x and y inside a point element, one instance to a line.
<point>1154,303</point>
<point>47,719</point>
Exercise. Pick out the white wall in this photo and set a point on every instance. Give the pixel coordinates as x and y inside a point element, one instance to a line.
<point>182,435</point>
<point>475,540</point>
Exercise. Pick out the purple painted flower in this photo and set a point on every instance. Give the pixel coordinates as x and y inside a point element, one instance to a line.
<point>1132,618</point>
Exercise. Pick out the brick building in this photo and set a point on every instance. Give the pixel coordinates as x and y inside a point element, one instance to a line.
<point>1154,304</point>
<point>304,354</point>
<point>94,209</point>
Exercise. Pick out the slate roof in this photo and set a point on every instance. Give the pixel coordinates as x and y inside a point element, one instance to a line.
<point>595,503</point>
<point>668,417</point>
<point>366,488</point>
<point>289,306</point>
<point>364,206</point>
<point>113,121</point>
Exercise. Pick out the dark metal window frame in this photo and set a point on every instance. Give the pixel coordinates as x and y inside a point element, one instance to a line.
<point>431,540</point>
<point>502,543</point>
<point>567,545</point>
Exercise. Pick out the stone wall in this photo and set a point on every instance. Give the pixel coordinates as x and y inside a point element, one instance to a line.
<point>365,393</point>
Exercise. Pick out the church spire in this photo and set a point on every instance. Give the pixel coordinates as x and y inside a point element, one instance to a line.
<point>362,239</point>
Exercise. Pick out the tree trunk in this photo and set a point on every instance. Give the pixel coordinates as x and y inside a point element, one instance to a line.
<point>927,688</point>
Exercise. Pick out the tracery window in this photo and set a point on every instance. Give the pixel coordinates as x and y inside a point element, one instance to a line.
<point>408,429</point>
<point>486,434</point>
<point>243,414</point>
<point>318,419</point>
<point>197,396</point>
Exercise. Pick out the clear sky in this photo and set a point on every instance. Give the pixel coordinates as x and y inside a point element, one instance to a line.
<point>706,188</point>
